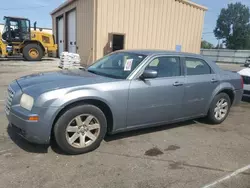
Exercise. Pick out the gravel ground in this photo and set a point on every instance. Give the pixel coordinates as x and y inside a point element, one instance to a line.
<point>189,154</point>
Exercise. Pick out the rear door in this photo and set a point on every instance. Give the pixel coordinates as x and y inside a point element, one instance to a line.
<point>201,81</point>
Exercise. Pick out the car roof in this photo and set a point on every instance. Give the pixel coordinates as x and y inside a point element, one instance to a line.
<point>161,52</point>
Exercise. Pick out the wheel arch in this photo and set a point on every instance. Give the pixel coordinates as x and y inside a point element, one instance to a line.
<point>103,106</point>
<point>230,93</point>
<point>225,88</point>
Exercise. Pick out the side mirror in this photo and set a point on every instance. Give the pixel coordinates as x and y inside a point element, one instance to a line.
<point>149,74</point>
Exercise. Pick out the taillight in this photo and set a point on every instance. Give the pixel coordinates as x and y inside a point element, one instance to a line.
<point>242,82</point>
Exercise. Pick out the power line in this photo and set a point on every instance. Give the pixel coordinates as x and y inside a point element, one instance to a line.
<point>23,8</point>
<point>207,33</point>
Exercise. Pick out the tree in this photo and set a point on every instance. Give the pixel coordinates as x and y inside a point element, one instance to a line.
<point>206,45</point>
<point>233,26</point>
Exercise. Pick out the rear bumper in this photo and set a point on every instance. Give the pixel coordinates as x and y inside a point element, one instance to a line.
<point>237,96</point>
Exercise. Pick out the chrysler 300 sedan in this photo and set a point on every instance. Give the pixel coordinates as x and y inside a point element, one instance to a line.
<point>123,91</point>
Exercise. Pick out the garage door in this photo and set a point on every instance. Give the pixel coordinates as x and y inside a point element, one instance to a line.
<point>71,37</point>
<point>60,32</point>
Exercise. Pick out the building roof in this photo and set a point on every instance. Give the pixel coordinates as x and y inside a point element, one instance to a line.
<point>194,4</point>
<point>183,1</point>
<point>66,3</point>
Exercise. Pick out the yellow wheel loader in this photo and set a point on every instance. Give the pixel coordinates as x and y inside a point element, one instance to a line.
<point>18,39</point>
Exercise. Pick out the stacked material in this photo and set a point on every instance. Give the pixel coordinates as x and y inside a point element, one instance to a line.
<point>69,60</point>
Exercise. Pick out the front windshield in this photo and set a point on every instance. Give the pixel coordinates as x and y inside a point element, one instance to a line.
<point>118,65</point>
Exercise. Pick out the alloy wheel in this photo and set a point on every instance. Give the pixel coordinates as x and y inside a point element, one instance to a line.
<point>82,131</point>
<point>221,109</point>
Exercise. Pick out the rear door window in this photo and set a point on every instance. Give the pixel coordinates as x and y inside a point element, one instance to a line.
<point>197,67</point>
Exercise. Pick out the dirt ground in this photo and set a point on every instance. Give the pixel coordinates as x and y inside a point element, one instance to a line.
<point>189,154</point>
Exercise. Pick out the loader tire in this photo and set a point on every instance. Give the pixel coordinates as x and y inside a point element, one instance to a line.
<point>32,52</point>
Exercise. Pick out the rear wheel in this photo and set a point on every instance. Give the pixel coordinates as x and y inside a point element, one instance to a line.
<point>32,52</point>
<point>80,129</point>
<point>219,108</point>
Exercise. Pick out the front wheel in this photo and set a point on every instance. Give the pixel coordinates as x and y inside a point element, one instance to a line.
<point>80,129</point>
<point>33,52</point>
<point>219,108</point>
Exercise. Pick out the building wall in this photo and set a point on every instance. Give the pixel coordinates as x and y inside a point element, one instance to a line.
<point>85,30</point>
<point>60,13</point>
<point>84,26</point>
<point>150,24</point>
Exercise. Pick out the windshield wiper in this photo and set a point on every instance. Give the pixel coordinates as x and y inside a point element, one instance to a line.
<point>94,72</point>
<point>103,74</point>
<point>83,68</point>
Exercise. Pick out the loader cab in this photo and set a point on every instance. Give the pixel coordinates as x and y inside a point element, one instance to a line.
<point>16,29</point>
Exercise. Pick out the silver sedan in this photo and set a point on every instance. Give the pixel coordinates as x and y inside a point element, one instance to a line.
<point>123,91</point>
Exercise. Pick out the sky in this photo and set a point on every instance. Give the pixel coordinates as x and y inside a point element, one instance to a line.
<point>39,10</point>
<point>35,10</point>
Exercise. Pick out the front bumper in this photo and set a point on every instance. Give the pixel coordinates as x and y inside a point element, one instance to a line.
<point>33,131</point>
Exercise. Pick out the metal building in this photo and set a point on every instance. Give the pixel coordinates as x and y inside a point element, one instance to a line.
<point>94,28</point>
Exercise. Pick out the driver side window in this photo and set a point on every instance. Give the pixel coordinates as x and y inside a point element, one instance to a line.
<point>166,66</point>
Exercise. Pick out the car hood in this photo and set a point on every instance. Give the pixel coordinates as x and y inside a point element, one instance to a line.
<point>245,72</point>
<point>44,82</point>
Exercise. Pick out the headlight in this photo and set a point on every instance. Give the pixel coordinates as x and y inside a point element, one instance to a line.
<point>27,102</point>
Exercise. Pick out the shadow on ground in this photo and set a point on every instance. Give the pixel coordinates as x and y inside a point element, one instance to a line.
<point>138,132</point>
<point>23,144</point>
<point>35,148</point>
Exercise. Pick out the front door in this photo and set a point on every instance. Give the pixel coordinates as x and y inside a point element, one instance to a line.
<point>160,99</point>
<point>200,84</point>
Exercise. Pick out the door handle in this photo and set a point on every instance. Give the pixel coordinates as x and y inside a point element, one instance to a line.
<point>214,80</point>
<point>177,84</point>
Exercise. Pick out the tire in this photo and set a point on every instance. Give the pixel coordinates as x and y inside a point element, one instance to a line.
<point>69,120</point>
<point>218,113</point>
<point>33,52</point>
